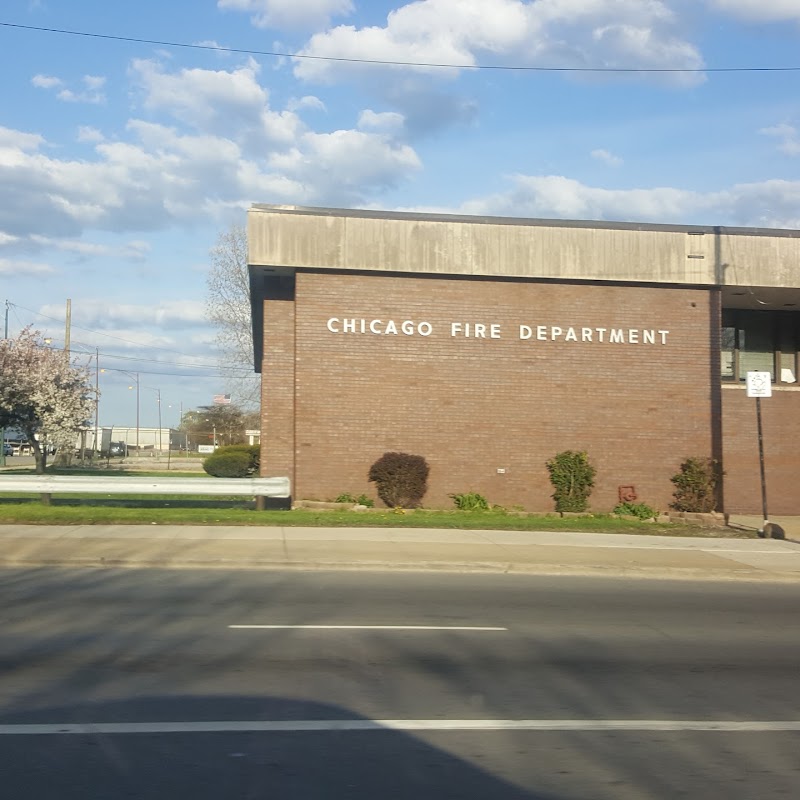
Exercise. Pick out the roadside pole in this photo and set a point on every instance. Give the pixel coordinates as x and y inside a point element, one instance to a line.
<point>764,514</point>
<point>759,384</point>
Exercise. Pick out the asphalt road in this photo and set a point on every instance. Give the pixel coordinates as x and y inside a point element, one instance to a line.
<point>159,684</point>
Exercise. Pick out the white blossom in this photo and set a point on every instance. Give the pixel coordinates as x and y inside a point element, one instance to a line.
<point>42,393</point>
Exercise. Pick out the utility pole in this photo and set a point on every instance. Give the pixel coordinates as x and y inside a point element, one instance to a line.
<point>160,429</point>
<point>137,416</point>
<point>68,325</point>
<point>135,376</point>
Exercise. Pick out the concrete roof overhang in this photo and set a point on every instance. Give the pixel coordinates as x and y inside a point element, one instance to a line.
<point>755,268</point>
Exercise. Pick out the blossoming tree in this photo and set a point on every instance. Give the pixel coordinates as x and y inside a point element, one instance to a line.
<point>42,394</point>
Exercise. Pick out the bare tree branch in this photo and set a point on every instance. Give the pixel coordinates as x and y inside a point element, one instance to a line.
<point>228,308</point>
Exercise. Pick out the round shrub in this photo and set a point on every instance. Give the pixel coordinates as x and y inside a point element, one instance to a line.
<point>253,452</point>
<point>401,479</point>
<point>235,461</point>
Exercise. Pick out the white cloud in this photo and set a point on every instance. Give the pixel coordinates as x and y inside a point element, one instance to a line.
<point>290,14</point>
<point>760,10</point>
<point>88,134</point>
<point>11,140</point>
<point>134,250</point>
<point>90,94</point>
<point>772,204</point>
<point>558,33</point>
<point>95,313</point>
<point>217,101</point>
<point>389,122</point>
<point>212,146</point>
<point>307,101</point>
<point>789,138</point>
<point>45,81</point>
<point>94,81</point>
<point>344,163</point>
<point>606,157</point>
<point>24,269</point>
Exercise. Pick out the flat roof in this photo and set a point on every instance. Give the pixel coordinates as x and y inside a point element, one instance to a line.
<point>419,216</point>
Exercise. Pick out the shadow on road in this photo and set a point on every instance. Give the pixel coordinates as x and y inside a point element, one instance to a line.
<point>99,645</point>
<point>301,765</point>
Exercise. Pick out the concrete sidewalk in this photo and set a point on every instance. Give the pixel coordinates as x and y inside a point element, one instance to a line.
<point>522,552</point>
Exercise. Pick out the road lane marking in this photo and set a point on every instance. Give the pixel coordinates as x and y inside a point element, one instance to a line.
<point>368,627</point>
<point>326,725</point>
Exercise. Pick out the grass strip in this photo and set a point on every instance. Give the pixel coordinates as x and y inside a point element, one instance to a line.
<point>214,511</point>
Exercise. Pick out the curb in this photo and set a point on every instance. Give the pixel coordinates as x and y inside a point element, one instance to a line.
<point>488,567</point>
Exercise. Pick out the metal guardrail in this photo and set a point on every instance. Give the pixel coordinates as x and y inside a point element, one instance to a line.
<point>89,484</point>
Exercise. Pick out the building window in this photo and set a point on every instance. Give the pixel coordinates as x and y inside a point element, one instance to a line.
<point>763,341</point>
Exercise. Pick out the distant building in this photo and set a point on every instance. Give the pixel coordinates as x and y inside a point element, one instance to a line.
<point>146,439</point>
<point>487,345</point>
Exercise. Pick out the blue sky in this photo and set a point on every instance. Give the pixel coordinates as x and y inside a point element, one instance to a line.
<point>121,162</point>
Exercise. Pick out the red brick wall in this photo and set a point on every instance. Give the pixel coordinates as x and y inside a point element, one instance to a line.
<point>471,406</point>
<point>780,415</point>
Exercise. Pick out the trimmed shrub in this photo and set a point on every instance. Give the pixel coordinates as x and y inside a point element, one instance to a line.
<point>470,501</point>
<point>234,461</point>
<point>572,477</point>
<point>696,485</point>
<point>401,479</point>
<point>639,510</point>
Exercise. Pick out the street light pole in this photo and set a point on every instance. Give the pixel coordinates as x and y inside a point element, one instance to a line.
<point>135,376</point>
<point>137,414</point>
<point>158,400</point>
<point>160,429</point>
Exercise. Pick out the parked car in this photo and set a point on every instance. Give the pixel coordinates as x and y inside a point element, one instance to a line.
<point>8,450</point>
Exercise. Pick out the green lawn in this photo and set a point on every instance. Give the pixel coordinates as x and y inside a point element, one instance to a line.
<point>183,510</point>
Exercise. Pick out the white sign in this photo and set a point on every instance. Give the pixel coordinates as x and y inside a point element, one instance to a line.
<point>205,448</point>
<point>759,384</point>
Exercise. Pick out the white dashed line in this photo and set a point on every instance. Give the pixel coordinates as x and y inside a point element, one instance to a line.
<point>367,627</point>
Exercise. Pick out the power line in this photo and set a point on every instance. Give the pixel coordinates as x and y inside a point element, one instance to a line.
<point>232,372</point>
<point>375,61</point>
<point>98,333</point>
<point>119,339</point>
<point>168,374</point>
<point>182,364</point>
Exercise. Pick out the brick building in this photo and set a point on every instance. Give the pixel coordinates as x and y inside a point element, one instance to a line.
<point>487,345</point>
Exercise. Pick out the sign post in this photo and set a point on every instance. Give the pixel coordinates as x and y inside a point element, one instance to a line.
<point>759,384</point>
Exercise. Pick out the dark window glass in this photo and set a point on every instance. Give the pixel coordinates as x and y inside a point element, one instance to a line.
<point>763,341</point>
